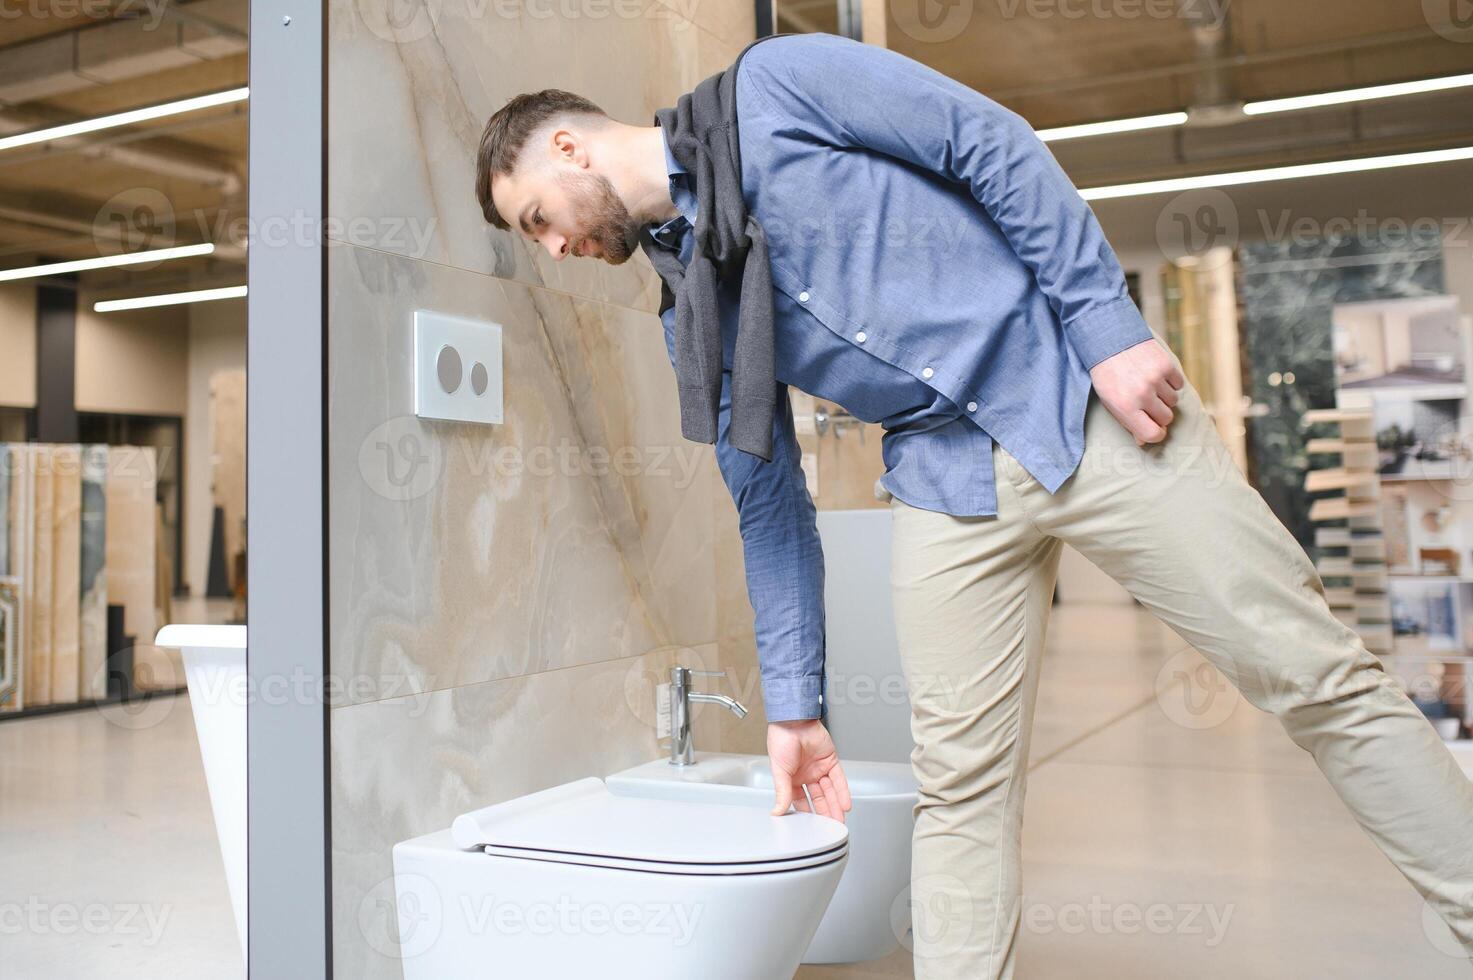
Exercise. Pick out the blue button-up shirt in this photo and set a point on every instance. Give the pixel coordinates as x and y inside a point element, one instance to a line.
<point>934,271</point>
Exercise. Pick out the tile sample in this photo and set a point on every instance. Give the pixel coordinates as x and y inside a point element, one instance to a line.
<point>66,573</point>
<point>38,611</point>
<point>93,573</point>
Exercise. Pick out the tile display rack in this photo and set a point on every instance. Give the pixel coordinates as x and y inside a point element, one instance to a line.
<point>1348,518</point>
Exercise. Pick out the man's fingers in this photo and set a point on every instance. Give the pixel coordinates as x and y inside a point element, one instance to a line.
<point>1146,430</point>
<point>831,805</point>
<point>1174,378</point>
<point>1167,394</point>
<point>1159,412</point>
<point>841,784</point>
<point>783,785</point>
<point>800,801</point>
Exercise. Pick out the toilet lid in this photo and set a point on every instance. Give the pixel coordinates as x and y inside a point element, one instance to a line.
<point>584,823</point>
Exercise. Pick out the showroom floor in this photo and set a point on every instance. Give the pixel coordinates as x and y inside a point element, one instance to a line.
<point>1229,828</point>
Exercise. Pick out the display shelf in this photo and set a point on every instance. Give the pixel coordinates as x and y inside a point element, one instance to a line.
<point>1342,478</point>
<point>1354,559</point>
<point>1340,508</point>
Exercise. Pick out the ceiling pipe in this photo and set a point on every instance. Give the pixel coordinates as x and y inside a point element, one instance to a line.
<point>1212,47</point>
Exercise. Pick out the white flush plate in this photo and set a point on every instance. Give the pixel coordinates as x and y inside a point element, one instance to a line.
<point>457,368</point>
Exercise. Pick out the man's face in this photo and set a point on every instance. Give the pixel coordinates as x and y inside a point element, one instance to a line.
<point>569,210</point>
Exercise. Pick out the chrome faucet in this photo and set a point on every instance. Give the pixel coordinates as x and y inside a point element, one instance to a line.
<point>682,747</point>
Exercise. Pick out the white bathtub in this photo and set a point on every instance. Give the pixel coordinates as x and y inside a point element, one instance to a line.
<point>215,670</point>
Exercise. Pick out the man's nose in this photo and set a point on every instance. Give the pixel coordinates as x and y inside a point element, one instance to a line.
<point>557,247</point>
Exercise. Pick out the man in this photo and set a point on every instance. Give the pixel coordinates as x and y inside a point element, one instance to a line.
<point>933,269</point>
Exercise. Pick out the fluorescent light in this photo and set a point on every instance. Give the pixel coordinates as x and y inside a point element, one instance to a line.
<point>1358,95</point>
<point>124,118</point>
<point>1277,173</point>
<point>170,299</point>
<point>1112,126</point>
<point>107,261</point>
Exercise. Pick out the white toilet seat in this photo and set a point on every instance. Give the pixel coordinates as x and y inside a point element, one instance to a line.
<point>671,867</point>
<point>583,823</point>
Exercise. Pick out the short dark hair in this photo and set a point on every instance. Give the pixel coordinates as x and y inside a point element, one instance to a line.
<point>506,134</point>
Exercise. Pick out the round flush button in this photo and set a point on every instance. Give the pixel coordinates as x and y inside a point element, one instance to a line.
<point>478,378</point>
<point>448,367</point>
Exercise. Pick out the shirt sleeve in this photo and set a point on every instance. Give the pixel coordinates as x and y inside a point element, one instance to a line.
<point>850,95</point>
<point>783,554</point>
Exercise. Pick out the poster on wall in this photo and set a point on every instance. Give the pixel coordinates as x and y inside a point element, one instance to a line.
<point>1425,615</point>
<point>1412,346</point>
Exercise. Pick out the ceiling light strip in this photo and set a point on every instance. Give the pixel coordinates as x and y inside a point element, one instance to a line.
<point>1358,95</point>
<point>1298,171</point>
<point>1112,126</point>
<point>169,299</point>
<point>107,261</point>
<point>124,118</point>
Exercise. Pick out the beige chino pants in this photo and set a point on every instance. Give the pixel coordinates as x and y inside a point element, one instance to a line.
<point>1177,525</point>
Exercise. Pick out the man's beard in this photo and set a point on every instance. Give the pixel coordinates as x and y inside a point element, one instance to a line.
<point>598,210</point>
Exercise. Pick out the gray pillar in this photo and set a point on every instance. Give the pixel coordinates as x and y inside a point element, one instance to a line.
<point>56,363</point>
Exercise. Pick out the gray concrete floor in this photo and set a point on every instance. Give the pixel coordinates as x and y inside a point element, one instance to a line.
<point>111,865</point>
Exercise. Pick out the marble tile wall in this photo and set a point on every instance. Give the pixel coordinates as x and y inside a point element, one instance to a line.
<point>503,599</point>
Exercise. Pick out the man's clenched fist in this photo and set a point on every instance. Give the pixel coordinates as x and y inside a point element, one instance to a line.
<point>1139,386</point>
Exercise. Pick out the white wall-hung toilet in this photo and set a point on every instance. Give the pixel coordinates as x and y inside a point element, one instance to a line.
<point>574,881</point>
<point>859,923</point>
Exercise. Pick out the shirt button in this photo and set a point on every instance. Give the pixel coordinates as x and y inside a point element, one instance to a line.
<point>927,373</point>
<point>861,336</point>
<point>971,406</point>
<point>803,296</point>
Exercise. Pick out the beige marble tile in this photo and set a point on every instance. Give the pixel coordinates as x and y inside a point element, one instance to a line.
<point>408,101</point>
<point>131,562</point>
<point>408,766</point>
<point>66,573</point>
<point>36,679</point>
<point>576,531</point>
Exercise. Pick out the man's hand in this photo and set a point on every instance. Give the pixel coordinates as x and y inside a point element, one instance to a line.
<point>1139,386</point>
<point>801,752</point>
